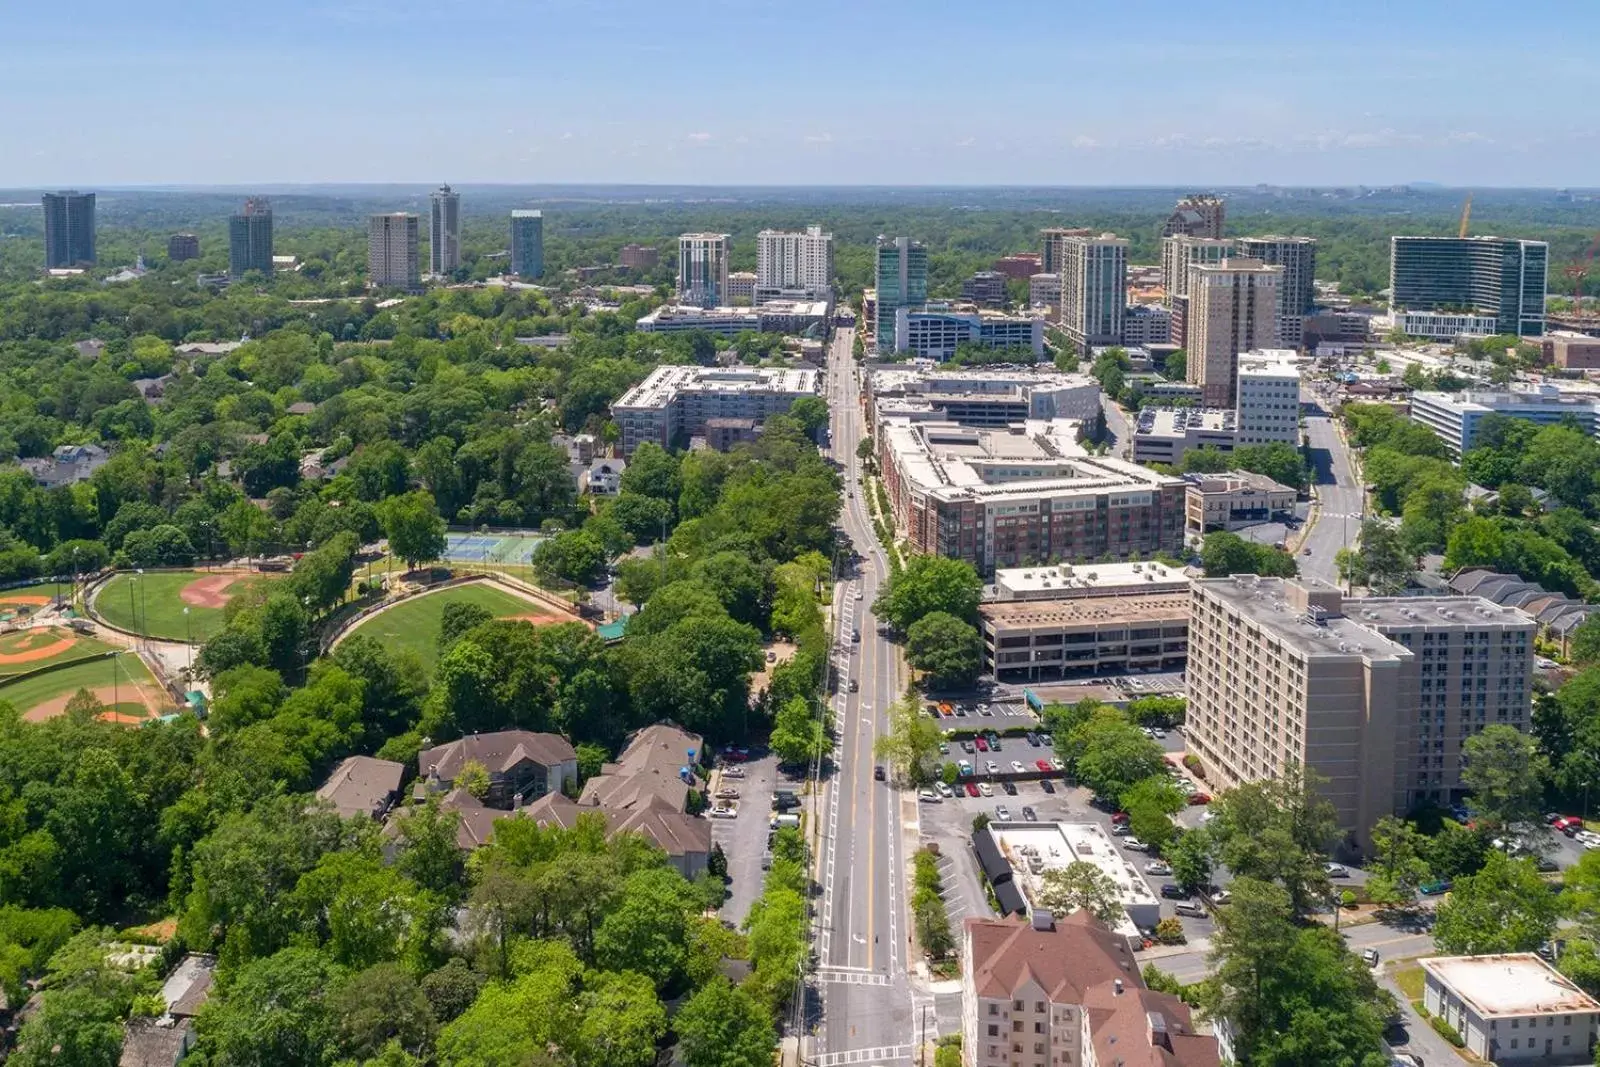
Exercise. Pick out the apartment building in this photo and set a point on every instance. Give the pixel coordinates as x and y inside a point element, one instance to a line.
<point>1181,252</point>
<point>902,282</point>
<point>1094,288</point>
<point>250,239</point>
<point>1005,498</point>
<point>794,265</point>
<point>1376,695</point>
<point>1230,499</point>
<point>1268,405</point>
<point>1512,1008</point>
<point>986,287</point>
<point>775,316</point>
<point>1503,278</point>
<point>527,243</point>
<point>444,231</point>
<point>1047,992</point>
<point>1050,240</point>
<point>935,333</point>
<point>1454,417</point>
<point>741,286</point>
<point>1069,580</point>
<point>1442,325</point>
<point>69,230</point>
<point>677,401</point>
<point>638,257</point>
<point>1297,293</point>
<point>1571,350</point>
<point>1196,216</point>
<point>1019,266</point>
<point>1146,324</point>
<point>1232,308</point>
<point>703,269</point>
<point>1044,290</point>
<point>392,252</point>
<point>993,397</point>
<point>183,246</point>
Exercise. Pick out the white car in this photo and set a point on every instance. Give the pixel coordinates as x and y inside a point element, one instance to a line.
<point>1156,867</point>
<point>945,791</point>
<point>1159,734</point>
<point>1133,844</point>
<point>733,772</point>
<point>994,768</point>
<point>1586,837</point>
<point>1016,767</point>
<point>1002,813</point>
<point>727,793</point>
<point>1335,870</point>
<point>986,789</point>
<point>1055,761</point>
<point>928,796</point>
<point>1207,815</point>
<point>723,811</point>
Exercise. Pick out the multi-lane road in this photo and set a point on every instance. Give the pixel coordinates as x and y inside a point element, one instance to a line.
<point>1336,522</point>
<point>862,929</point>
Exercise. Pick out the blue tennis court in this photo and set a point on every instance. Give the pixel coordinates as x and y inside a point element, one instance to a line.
<point>510,547</point>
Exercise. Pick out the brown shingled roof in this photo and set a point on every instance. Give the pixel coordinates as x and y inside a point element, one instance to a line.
<point>362,785</point>
<point>498,752</point>
<point>1065,962</point>
<point>1139,1027</point>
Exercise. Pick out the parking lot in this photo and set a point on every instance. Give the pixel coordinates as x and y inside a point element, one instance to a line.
<point>999,716</point>
<point>744,837</point>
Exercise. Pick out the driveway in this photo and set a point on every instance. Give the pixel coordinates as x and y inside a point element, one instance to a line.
<point>744,838</point>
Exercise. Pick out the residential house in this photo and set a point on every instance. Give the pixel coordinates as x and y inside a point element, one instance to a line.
<point>164,1040</point>
<point>362,785</point>
<point>67,465</point>
<point>1557,615</point>
<point>521,764</point>
<point>656,765</point>
<point>603,477</point>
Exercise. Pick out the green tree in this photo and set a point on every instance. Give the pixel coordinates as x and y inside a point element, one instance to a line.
<point>1223,553</point>
<point>276,1012</point>
<point>1190,859</point>
<point>1079,884</point>
<point>1398,865</point>
<point>723,1026</point>
<point>797,736</point>
<point>812,413</point>
<point>1113,754</point>
<point>1386,564</point>
<point>622,1021</point>
<point>911,744</point>
<point>1456,850</point>
<point>412,524</point>
<point>947,650</point>
<point>928,584</point>
<point>1279,461</point>
<point>1150,804</point>
<point>575,556</point>
<point>1506,774</point>
<point>1505,907</point>
<point>645,930</point>
<point>379,1005</point>
<point>1277,830</point>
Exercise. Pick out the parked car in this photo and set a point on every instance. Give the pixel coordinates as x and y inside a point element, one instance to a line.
<point>1029,815</point>
<point>1056,763</point>
<point>1199,798</point>
<point>944,790</point>
<point>982,743</point>
<point>1157,867</point>
<point>966,746</point>
<point>992,767</point>
<point>928,796</point>
<point>727,792</point>
<point>1043,765</point>
<point>986,789</point>
<point>1335,870</point>
<point>723,811</point>
<point>972,790</point>
<point>1191,908</point>
<point>733,772</point>
<point>1017,767</point>
<point>1002,813</point>
<point>1435,887</point>
<point>1044,783</point>
<point>1133,844</point>
<point>1370,957</point>
<point>1120,830</point>
<point>1010,787</point>
<point>1221,897</point>
<point>1033,740</point>
<point>1173,891</point>
<point>1159,733</point>
<point>1119,818</point>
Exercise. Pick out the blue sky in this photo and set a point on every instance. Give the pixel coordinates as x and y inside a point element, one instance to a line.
<point>106,92</point>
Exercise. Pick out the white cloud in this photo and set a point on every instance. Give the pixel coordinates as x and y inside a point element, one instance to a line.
<point>700,138</point>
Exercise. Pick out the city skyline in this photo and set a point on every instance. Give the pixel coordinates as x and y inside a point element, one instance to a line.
<point>1317,108</point>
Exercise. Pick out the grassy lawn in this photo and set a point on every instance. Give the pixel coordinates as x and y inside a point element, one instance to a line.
<point>124,670</point>
<point>414,624</point>
<point>157,610</point>
<point>1410,980</point>
<point>82,646</point>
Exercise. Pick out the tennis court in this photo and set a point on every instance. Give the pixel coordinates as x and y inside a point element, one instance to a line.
<point>513,546</point>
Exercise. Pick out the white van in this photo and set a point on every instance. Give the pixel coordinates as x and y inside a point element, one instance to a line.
<point>786,822</point>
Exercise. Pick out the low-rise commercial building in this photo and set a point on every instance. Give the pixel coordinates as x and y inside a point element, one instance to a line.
<point>1044,291</point>
<point>1443,325</point>
<point>1060,581</point>
<point>1571,350</point>
<point>1045,992</point>
<point>1230,499</point>
<point>1163,435</point>
<point>1019,266</point>
<point>936,333</point>
<point>1030,640</point>
<point>1003,498</point>
<point>1375,695</point>
<point>679,400</point>
<point>741,286</point>
<point>1146,324</point>
<point>776,316</point>
<point>986,287</point>
<point>1512,1008</point>
<point>992,396</point>
<point>1454,417</point>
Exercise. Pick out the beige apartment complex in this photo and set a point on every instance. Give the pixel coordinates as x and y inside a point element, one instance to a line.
<point>1376,694</point>
<point>1232,308</point>
<point>1067,993</point>
<point>392,252</point>
<point>1196,216</point>
<point>1094,288</point>
<point>1179,253</point>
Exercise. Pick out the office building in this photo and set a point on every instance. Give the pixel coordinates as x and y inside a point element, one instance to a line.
<point>1045,640</point>
<point>935,333</point>
<point>250,239</point>
<point>1512,1009</point>
<point>1019,266</point>
<point>1146,324</point>
<point>1094,286</point>
<point>775,316</point>
<point>1376,695</point>
<point>1085,580</point>
<point>1454,417</point>
<point>1196,216</point>
<point>1044,291</point>
<point>1268,403</point>
<point>392,252</point>
<point>182,247</point>
<point>68,230</point>
<point>638,257</point>
<point>1025,493</point>
<point>527,243</point>
<point>1163,435</point>
<point>675,402</point>
<point>792,265</point>
<point>1231,499</point>
<point>1499,277</point>
<point>703,269</point>
<point>1046,991</point>
<point>1232,308</point>
<point>1181,252</point>
<point>1297,291</point>
<point>986,287</point>
<point>1442,325</point>
<point>1570,350</point>
<point>901,282</point>
<point>993,396</point>
<point>1050,239</point>
<point>741,287</point>
<point>444,231</point>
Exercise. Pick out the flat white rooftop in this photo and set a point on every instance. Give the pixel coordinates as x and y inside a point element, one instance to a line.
<point>1089,579</point>
<point>1034,848</point>
<point>666,383</point>
<point>1515,984</point>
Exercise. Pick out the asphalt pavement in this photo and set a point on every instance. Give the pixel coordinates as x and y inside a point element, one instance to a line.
<point>1336,520</point>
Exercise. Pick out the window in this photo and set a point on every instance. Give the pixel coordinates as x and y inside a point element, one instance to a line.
<point>1016,1027</point>
<point>994,1009</point>
<point>1017,1004</point>
<point>1513,1042</point>
<point>1516,1023</point>
<point>994,1030</point>
<point>1038,1006</point>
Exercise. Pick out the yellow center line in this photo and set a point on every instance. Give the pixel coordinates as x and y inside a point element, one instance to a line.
<point>872,818</point>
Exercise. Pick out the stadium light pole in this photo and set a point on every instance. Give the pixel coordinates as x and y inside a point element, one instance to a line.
<point>188,638</point>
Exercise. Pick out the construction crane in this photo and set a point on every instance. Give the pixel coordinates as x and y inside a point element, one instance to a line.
<point>1579,271</point>
<point>1466,216</point>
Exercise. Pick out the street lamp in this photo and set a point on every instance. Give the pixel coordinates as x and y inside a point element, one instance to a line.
<point>188,638</point>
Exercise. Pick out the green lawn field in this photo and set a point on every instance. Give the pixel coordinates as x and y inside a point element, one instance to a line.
<point>112,678</point>
<point>10,644</point>
<point>157,609</point>
<point>414,624</point>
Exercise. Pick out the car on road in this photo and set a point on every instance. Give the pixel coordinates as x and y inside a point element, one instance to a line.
<point>986,789</point>
<point>733,772</point>
<point>1157,867</point>
<point>1192,908</point>
<point>1029,815</point>
<point>1044,783</point>
<point>1335,870</point>
<point>1133,844</point>
<point>855,686</point>
<point>982,743</point>
<point>878,773</point>
<point>1043,765</point>
<point>723,811</point>
<point>855,637</point>
<point>727,792</point>
<point>1017,767</point>
<point>772,657</point>
<point>1370,957</point>
<point>1198,797</point>
<point>1173,891</point>
<point>1435,887</point>
<point>1306,552</point>
<point>971,789</point>
<point>944,790</point>
<point>1002,813</point>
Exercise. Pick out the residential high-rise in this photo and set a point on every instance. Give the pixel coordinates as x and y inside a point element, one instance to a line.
<point>250,239</point>
<point>638,257</point>
<point>1094,288</point>
<point>527,243</point>
<point>1497,276</point>
<point>1196,216</point>
<point>794,266</point>
<point>1050,237</point>
<point>902,280</point>
<point>1232,308</point>
<point>183,246</point>
<point>68,230</point>
<point>1180,252</point>
<point>1297,293</point>
<point>1375,695</point>
<point>392,251</point>
<point>1268,408</point>
<point>703,269</point>
<point>444,231</point>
